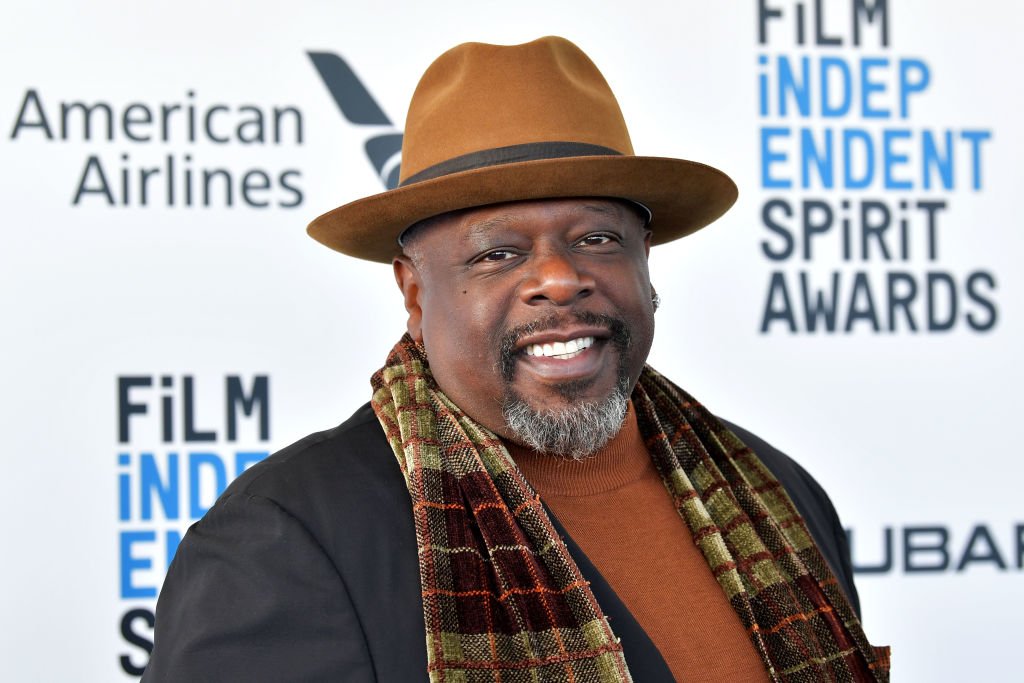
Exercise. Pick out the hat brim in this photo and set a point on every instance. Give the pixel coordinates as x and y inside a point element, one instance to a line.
<point>683,197</point>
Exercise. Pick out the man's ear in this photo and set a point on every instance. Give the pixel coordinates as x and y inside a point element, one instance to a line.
<point>408,278</point>
<point>647,243</point>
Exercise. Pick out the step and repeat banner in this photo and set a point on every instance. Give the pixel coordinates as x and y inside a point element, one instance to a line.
<point>166,323</point>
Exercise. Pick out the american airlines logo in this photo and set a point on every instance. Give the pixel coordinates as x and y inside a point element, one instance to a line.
<point>357,105</point>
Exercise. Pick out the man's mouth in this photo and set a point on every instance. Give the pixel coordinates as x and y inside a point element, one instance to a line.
<point>545,344</point>
<point>560,350</point>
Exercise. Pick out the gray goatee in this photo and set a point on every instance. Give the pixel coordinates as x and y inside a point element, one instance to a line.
<point>575,432</point>
<point>582,427</point>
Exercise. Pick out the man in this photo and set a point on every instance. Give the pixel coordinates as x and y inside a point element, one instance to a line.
<point>660,546</point>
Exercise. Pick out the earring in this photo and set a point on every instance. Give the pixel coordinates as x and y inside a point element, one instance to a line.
<point>655,299</point>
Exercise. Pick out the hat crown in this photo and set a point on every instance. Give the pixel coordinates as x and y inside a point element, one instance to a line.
<point>478,97</point>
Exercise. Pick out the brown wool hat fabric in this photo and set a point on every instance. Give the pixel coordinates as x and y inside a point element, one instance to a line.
<point>492,123</point>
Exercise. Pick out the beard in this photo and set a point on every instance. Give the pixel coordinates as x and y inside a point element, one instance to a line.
<point>581,428</point>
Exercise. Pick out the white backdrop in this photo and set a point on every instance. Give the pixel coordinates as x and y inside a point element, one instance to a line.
<point>135,333</point>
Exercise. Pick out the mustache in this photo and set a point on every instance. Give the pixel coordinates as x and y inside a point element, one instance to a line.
<point>620,336</point>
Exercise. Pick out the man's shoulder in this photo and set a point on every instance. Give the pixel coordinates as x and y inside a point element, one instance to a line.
<point>344,474</point>
<point>354,449</point>
<point>786,469</point>
<point>813,504</point>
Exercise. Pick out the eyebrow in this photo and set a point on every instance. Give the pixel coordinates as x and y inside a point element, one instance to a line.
<point>481,228</point>
<point>609,210</point>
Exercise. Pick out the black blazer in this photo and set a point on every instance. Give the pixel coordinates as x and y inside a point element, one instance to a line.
<point>306,570</point>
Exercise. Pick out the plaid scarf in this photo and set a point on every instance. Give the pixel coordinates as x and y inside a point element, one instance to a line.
<point>504,602</point>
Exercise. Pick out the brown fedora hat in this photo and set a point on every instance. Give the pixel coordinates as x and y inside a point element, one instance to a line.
<point>492,123</point>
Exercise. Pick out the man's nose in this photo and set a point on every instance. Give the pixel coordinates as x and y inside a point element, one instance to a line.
<point>556,276</point>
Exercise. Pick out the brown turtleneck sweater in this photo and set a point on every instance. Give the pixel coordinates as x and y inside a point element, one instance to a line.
<point>616,508</point>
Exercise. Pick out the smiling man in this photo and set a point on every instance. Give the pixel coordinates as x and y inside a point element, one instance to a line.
<point>524,499</point>
<point>559,323</point>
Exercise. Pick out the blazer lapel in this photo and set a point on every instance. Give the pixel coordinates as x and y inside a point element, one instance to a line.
<point>645,662</point>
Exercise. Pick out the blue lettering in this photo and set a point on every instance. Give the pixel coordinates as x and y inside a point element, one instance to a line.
<point>130,563</point>
<point>909,85</point>
<point>822,159</point>
<point>868,86</point>
<point>843,108</point>
<point>124,488</point>
<point>975,137</point>
<point>762,86</point>
<point>850,135</point>
<point>932,160</point>
<point>769,157</point>
<point>891,158</point>
<point>150,482</point>
<point>800,90</point>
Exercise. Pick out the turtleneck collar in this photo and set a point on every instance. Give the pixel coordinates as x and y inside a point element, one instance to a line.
<point>623,460</point>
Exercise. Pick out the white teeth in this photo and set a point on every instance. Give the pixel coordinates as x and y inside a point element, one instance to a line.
<point>562,350</point>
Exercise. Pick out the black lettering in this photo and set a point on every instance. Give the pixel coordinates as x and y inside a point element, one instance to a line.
<point>131,636</point>
<point>191,114</point>
<point>867,312</point>
<point>67,107</point>
<point>125,197</point>
<point>128,120</point>
<point>824,307</point>
<point>170,180</point>
<point>901,301</point>
<point>256,123</point>
<point>764,13</point>
<point>167,403</point>
<point>931,208</point>
<point>814,228</point>
<point>862,7</point>
<point>103,187</point>
<point>31,98</point>
<point>279,115</point>
<point>778,228</point>
<point>819,27</point>
<point>883,567</point>
<point>165,124</point>
<point>296,192</point>
<point>1020,546</point>
<point>984,324</point>
<point>191,433</point>
<point>126,408</point>
<point>255,181</point>
<point>208,176</point>
<point>912,548</point>
<point>208,123</point>
<point>144,175</point>
<point>236,399</point>
<point>988,553</point>
<point>778,286</point>
<point>869,228</point>
<point>935,323</point>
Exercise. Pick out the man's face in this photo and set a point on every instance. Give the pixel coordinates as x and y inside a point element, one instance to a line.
<point>547,303</point>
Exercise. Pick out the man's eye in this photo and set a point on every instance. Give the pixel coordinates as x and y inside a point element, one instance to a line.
<point>498,255</point>
<point>597,239</point>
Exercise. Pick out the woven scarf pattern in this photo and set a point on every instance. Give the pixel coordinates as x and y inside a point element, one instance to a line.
<point>503,601</point>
